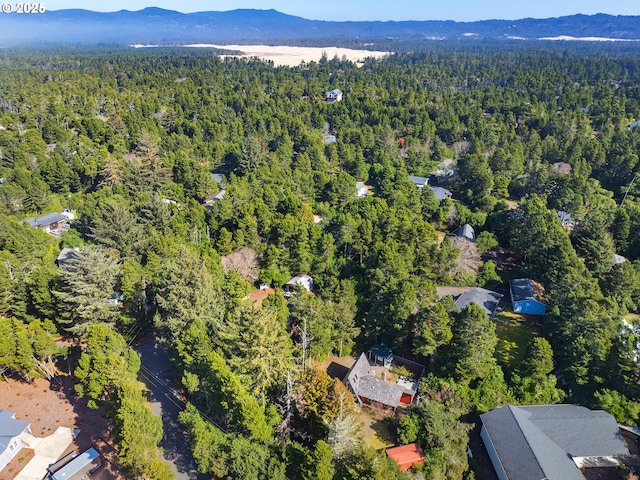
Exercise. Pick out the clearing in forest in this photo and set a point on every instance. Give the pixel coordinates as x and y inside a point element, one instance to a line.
<point>514,335</point>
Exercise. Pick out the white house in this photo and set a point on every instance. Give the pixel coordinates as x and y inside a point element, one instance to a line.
<point>303,280</point>
<point>334,96</point>
<point>10,436</point>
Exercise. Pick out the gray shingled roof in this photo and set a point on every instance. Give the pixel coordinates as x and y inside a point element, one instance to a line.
<point>578,430</point>
<point>361,380</point>
<point>45,220</point>
<point>535,443</point>
<point>441,193</point>
<point>10,428</point>
<point>482,297</point>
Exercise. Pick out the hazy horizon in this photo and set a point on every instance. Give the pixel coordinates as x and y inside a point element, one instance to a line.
<point>376,10</point>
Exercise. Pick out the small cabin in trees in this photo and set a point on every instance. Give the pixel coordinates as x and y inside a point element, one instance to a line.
<point>380,354</point>
<point>419,182</point>
<point>527,296</point>
<point>305,281</point>
<point>566,220</point>
<point>334,96</point>
<point>329,139</point>
<point>467,232</point>
<point>361,189</point>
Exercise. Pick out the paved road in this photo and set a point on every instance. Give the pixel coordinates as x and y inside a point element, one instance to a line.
<point>159,374</point>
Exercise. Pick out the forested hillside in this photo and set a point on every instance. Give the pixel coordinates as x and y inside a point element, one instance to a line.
<point>129,142</point>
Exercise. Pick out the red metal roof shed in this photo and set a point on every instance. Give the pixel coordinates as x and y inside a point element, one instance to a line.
<point>406,455</point>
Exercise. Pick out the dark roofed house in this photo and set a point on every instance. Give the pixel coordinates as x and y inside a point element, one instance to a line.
<point>50,223</point>
<point>11,431</point>
<point>550,441</point>
<point>527,296</point>
<point>380,354</point>
<point>482,297</point>
<point>419,182</point>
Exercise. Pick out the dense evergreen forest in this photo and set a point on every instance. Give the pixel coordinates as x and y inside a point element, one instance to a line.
<point>129,142</point>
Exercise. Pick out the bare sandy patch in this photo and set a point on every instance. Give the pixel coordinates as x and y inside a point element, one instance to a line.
<point>47,406</point>
<point>293,56</point>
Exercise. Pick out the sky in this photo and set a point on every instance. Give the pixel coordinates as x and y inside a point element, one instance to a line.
<point>343,10</point>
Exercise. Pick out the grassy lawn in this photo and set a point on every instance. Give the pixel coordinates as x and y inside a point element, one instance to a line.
<point>514,334</point>
<point>378,428</point>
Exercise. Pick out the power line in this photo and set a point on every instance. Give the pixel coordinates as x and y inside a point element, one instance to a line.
<point>175,395</point>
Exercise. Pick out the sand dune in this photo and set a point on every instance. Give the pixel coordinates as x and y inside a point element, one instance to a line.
<point>293,56</point>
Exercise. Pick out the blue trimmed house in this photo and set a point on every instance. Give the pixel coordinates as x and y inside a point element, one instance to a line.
<point>527,297</point>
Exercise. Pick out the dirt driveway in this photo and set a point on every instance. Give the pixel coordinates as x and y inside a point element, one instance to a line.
<point>48,406</point>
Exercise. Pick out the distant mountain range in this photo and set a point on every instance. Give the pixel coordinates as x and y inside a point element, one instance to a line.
<point>166,27</point>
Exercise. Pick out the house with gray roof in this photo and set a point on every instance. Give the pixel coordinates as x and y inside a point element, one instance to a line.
<point>550,441</point>
<point>361,189</point>
<point>527,296</point>
<point>328,138</point>
<point>50,223</point>
<point>566,219</point>
<point>467,232</point>
<point>371,390</point>
<point>10,436</point>
<point>218,178</point>
<point>441,193</point>
<point>213,198</point>
<point>482,297</point>
<point>419,182</point>
<point>369,383</point>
